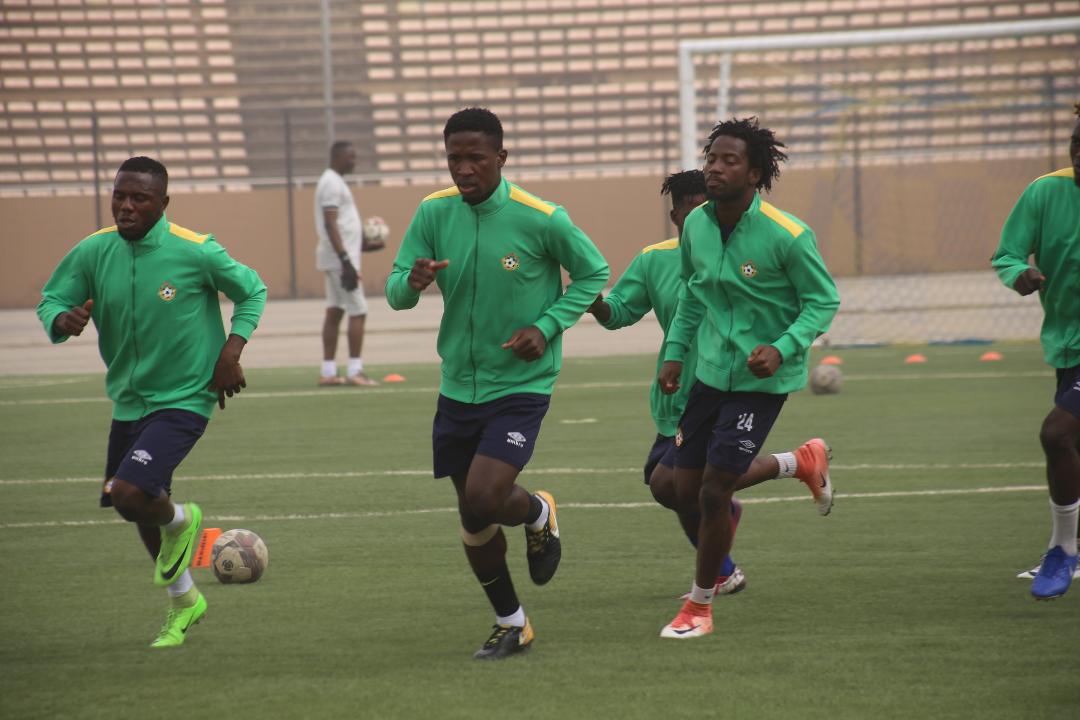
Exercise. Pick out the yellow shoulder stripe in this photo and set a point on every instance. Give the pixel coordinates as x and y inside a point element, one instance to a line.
<point>666,245</point>
<point>189,235</point>
<point>519,195</point>
<point>1064,172</point>
<point>448,192</point>
<point>102,231</point>
<point>781,219</point>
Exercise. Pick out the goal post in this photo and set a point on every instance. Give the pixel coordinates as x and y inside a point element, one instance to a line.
<point>907,148</point>
<point>725,48</point>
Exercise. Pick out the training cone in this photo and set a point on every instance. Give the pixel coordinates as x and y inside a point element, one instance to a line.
<point>915,359</point>
<point>990,356</point>
<point>205,546</point>
<point>394,377</point>
<point>831,360</point>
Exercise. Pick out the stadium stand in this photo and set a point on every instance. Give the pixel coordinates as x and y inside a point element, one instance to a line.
<point>204,84</point>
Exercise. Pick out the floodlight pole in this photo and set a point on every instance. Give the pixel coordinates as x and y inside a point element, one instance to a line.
<point>328,71</point>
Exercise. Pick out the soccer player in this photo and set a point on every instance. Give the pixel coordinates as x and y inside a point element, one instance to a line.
<point>496,253</point>
<point>1046,222</point>
<point>338,226</point>
<point>652,282</point>
<point>151,287</point>
<point>756,294</point>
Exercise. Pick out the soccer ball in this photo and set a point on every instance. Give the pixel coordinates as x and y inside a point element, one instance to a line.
<point>826,380</point>
<point>376,231</point>
<point>239,556</point>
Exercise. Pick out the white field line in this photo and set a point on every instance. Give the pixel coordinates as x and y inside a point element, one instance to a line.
<point>589,506</point>
<point>340,393</point>
<point>530,471</point>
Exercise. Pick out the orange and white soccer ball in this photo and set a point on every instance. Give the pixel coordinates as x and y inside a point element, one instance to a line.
<point>239,556</point>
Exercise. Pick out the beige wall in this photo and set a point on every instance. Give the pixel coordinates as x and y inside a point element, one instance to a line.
<point>916,218</point>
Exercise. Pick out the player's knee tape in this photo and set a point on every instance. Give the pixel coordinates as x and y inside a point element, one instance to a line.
<point>481,538</point>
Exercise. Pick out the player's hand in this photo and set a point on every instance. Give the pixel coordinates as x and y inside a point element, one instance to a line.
<point>423,272</point>
<point>528,343</point>
<point>669,376</point>
<point>764,361</point>
<point>599,309</point>
<point>350,279</point>
<point>228,378</point>
<point>1029,281</point>
<point>74,320</point>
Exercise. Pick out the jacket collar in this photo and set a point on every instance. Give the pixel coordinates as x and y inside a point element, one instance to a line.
<point>153,239</point>
<point>495,201</point>
<point>750,212</point>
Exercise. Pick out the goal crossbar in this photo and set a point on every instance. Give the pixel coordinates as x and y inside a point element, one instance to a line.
<point>690,152</point>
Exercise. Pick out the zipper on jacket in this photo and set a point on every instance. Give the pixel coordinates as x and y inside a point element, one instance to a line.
<point>731,308</point>
<point>134,334</point>
<point>472,304</point>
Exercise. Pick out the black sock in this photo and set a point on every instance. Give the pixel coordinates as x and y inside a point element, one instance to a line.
<point>501,595</point>
<point>535,508</point>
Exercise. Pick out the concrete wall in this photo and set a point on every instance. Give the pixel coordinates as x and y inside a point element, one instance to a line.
<point>915,219</point>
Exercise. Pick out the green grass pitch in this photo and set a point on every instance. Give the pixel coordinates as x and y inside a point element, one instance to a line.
<point>903,603</point>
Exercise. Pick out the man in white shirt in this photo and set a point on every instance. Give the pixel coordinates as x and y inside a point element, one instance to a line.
<point>337,223</point>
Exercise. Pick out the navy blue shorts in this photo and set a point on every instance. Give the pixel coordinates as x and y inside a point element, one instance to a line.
<point>662,453</point>
<point>145,452</point>
<point>504,429</point>
<point>1067,396</point>
<point>725,429</point>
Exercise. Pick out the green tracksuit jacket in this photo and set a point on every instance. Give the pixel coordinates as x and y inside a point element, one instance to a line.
<point>767,285</point>
<point>504,274</point>
<point>652,282</point>
<point>1046,222</point>
<point>156,312</point>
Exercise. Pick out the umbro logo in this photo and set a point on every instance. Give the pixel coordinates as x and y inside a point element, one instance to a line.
<point>516,439</point>
<point>747,446</point>
<point>142,457</point>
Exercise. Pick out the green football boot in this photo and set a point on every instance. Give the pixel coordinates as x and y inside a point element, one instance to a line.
<point>184,611</point>
<point>178,547</point>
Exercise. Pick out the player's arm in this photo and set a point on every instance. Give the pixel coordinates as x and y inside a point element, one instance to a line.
<point>415,266</point>
<point>628,301</point>
<point>688,316</point>
<point>246,289</point>
<point>1019,237</point>
<point>66,307</point>
<point>588,272</point>
<point>818,303</point>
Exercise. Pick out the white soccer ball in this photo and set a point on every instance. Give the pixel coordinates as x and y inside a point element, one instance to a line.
<point>826,380</point>
<point>376,230</point>
<point>239,556</point>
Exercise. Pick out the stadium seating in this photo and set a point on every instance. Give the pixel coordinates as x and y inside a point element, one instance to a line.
<point>585,87</point>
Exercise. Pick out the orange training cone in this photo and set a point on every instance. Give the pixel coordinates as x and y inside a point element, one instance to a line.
<point>990,356</point>
<point>206,544</point>
<point>831,360</point>
<point>394,377</point>
<point>915,359</point>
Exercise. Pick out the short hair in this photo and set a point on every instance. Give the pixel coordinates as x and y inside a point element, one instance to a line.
<point>1076,110</point>
<point>682,185</point>
<point>339,147</point>
<point>762,148</point>
<point>147,166</point>
<point>475,119</point>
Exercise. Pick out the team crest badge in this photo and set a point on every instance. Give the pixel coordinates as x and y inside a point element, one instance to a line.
<point>678,437</point>
<point>511,262</point>
<point>166,292</point>
<point>748,268</point>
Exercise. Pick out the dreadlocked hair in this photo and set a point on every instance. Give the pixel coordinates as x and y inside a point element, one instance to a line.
<point>762,148</point>
<point>682,185</point>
